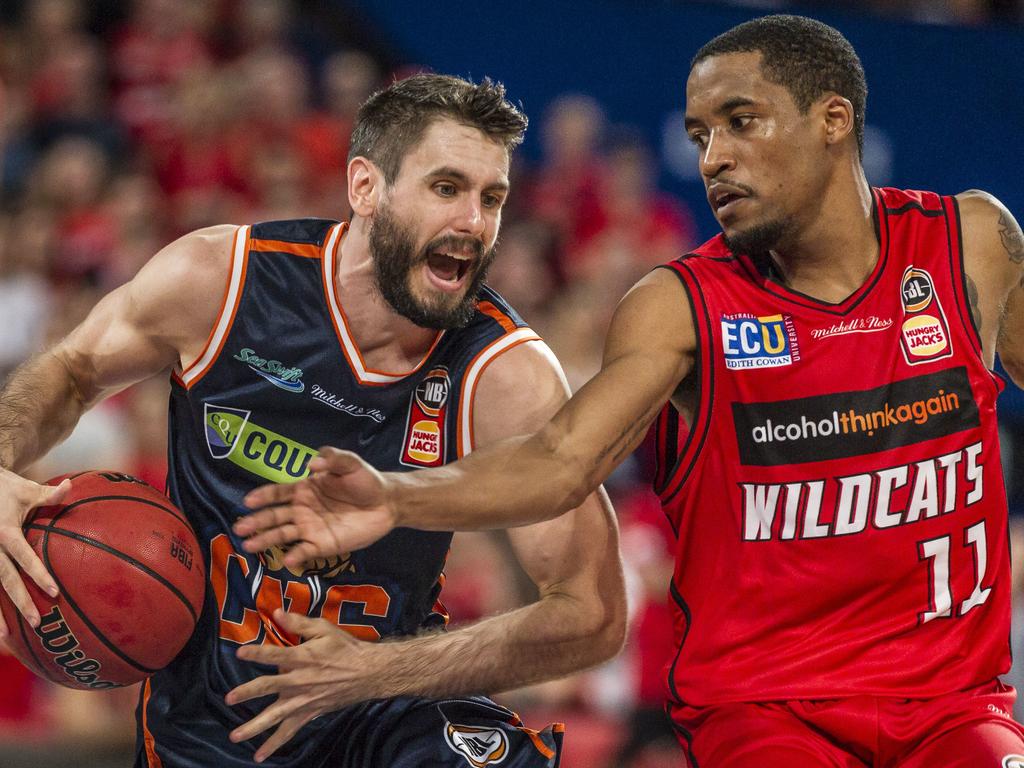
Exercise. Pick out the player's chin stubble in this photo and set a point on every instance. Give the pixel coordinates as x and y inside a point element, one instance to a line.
<point>758,239</point>
<point>393,249</point>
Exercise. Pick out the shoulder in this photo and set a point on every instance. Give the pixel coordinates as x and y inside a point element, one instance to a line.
<point>990,232</point>
<point>518,392</point>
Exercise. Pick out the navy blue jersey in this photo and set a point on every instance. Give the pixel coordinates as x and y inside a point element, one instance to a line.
<point>280,377</point>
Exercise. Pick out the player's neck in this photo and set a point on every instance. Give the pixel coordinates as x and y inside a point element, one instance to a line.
<point>386,340</point>
<point>833,254</point>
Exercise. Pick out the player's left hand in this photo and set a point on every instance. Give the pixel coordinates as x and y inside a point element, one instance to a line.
<point>327,672</point>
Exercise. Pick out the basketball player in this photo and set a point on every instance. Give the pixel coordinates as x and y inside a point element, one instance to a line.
<point>829,458</point>
<point>378,335</point>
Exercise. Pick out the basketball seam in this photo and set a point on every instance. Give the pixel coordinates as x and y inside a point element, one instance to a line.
<point>74,606</point>
<point>169,510</point>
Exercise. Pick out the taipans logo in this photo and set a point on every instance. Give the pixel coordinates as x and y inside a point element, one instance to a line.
<point>324,567</point>
<point>1013,761</point>
<point>767,341</point>
<point>278,374</point>
<point>231,435</point>
<point>423,445</point>
<point>843,424</point>
<point>480,746</point>
<point>925,333</point>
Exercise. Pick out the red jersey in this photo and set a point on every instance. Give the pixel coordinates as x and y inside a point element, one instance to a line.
<point>838,499</point>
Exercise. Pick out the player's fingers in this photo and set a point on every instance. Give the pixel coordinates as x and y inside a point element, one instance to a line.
<point>271,537</point>
<point>271,655</point>
<point>304,551</point>
<point>335,461</point>
<point>261,519</point>
<point>26,557</point>
<point>3,628</point>
<point>284,733</point>
<point>305,626</point>
<point>267,495</point>
<point>265,719</point>
<point>50,495</point>
<point>11,581</point>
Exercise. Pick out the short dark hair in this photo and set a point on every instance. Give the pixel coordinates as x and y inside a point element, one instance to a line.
<point>806,56</point>
<point>393,120</point>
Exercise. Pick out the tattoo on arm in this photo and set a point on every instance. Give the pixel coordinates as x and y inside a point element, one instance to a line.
<point>972,296</point>
<point>1012,237</point>
<point>622,444</point>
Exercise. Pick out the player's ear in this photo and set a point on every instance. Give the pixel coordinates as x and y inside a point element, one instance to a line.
<point>365,186</point>
<point>838,117</point>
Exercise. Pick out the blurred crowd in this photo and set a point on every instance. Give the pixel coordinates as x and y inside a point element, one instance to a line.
<point>126,124</point>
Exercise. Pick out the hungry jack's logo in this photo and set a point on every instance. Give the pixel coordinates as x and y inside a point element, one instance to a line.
<point>925,332</point>
<point>423,445</point>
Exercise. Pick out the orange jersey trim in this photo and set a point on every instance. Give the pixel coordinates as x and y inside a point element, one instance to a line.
<point>500,317</point>
<point>469,386</point>
<point>306,250</point>
<point>186,377</point>
<point>147,735</point>
<point>364,374</point>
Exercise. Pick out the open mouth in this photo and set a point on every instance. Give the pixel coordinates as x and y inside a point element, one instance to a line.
<point>450,268</point>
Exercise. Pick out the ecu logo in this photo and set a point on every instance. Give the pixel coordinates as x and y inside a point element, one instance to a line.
<point>479,746</point>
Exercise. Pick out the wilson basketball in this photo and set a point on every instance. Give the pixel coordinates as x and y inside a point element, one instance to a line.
<point>131,582</point>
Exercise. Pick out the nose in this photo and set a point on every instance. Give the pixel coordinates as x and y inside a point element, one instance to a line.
<point>717,157</point>
<point>470,219</point>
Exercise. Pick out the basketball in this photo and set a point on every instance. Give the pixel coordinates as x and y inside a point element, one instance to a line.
<point>131,582</point>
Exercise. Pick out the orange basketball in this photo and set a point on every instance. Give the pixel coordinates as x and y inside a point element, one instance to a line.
<point>131,580</point>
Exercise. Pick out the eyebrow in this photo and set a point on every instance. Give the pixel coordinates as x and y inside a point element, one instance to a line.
<point>448,172</point>
<point>724,108</point>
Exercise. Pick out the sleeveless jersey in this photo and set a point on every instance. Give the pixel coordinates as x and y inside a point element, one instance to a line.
<point>281,376</point>
<point>838,497</point>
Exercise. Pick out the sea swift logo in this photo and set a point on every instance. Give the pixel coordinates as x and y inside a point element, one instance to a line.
<point>767,341</point>
<point>480,746</point>
<point>274,371</point>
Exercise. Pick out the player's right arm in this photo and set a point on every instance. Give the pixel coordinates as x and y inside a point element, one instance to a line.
<point>650,348</point>
<point>161,318</point>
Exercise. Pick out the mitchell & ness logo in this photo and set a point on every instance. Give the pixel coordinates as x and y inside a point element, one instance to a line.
<point>480,746</point>
<point>856,325</point>
<point>274,371</point>
<point>843,424</point>
<point>338,403</point>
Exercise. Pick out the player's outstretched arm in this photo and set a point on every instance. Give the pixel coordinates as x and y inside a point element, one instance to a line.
<point>346,505</point>
<point>578,621</point>
<point>994,261</point>
<point>143,327</point>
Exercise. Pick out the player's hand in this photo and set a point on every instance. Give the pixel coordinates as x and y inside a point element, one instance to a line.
<point>339,508</point>
<point>18,497</point>
<point>329,671</point>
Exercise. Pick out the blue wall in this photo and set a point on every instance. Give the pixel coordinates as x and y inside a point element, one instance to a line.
<point>948,103</point>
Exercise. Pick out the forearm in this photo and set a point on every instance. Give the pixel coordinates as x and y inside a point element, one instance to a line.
<point>548,639</point>
<point>39,405</point>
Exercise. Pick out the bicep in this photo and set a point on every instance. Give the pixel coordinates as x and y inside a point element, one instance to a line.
<point>146,325</point>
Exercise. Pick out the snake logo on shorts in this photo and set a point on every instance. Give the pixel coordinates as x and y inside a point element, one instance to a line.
<point>480,746</point>
<point>1013,761</point>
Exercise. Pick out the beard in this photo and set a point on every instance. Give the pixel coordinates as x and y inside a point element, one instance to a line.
<point>393,249</point>
<point>759,239</point>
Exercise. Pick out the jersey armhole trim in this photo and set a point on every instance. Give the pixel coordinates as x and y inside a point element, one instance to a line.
<point>152,759</point>
<point>476,367</point>
<point>229,306</point>
<point>955,240</point>
<point>689,454</point>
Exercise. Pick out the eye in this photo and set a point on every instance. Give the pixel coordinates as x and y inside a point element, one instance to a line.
<point>491,200</point>
<point>698,139</point>
<point>445,189</point>
<point>739,122</point>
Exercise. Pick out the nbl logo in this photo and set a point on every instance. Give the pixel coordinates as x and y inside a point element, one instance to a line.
<point>925,333</point>
<point>424,443</point>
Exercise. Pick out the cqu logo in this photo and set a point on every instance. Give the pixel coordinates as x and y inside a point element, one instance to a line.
<point>423,445</point>
<point>925,334</point>
<point>750,341</point>
<point>480,746</point>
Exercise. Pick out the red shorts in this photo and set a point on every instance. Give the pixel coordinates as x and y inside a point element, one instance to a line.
<point>966,729</point>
